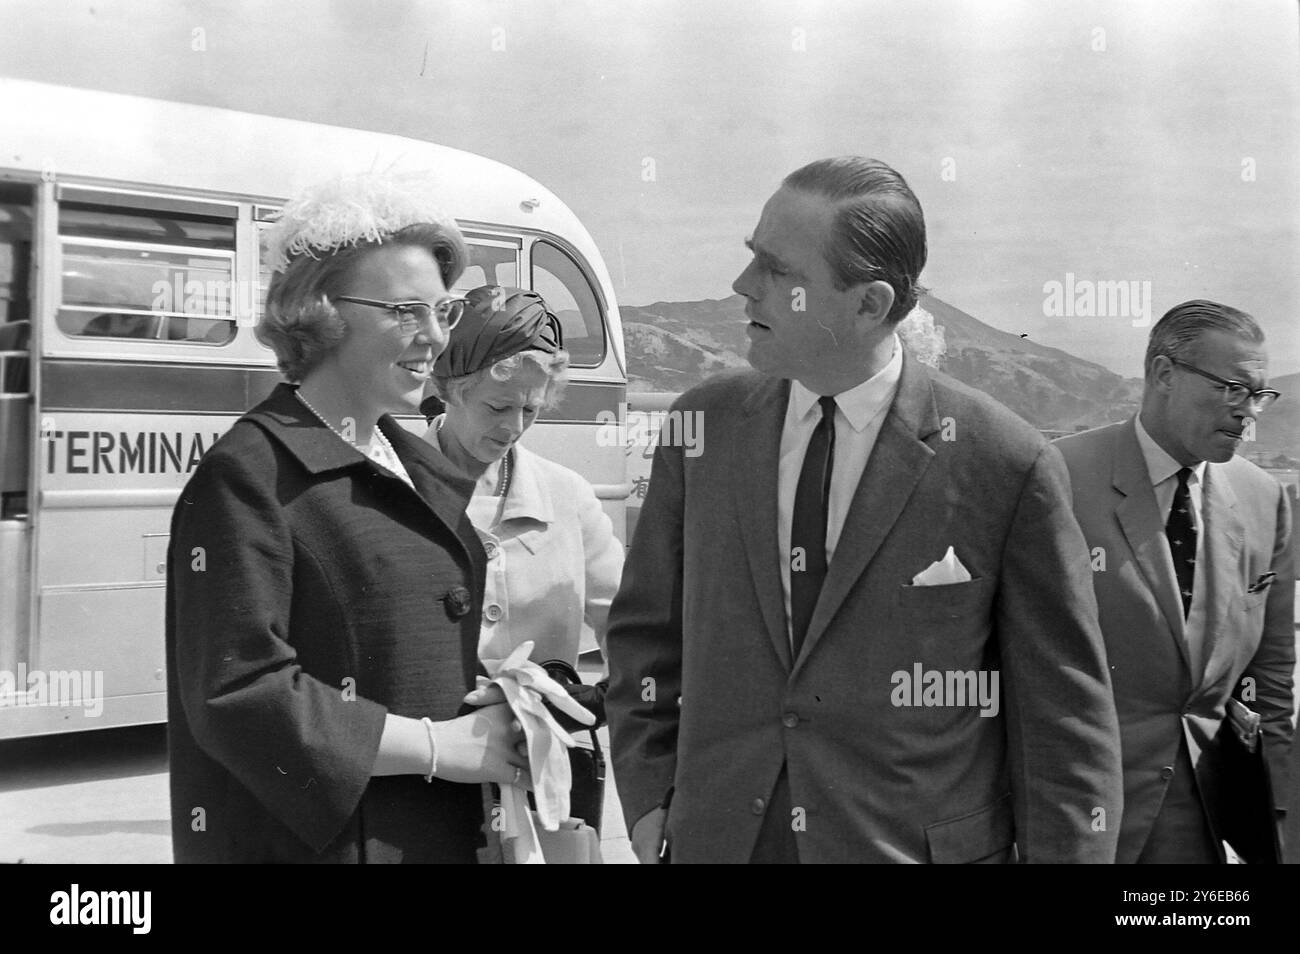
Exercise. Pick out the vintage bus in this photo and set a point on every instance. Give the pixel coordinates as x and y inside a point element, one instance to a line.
<point>131,277</point>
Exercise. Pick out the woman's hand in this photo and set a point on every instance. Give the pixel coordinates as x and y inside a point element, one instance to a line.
<point>487,745</point>
<point>491,695</point>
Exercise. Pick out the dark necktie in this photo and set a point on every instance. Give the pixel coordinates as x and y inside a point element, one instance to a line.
<point>1181,531</point>
<point>808,528</point>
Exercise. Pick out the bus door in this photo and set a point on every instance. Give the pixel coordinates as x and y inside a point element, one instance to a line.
<point>17,206</point>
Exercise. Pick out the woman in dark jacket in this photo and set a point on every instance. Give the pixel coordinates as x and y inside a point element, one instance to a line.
<point>325,585</point>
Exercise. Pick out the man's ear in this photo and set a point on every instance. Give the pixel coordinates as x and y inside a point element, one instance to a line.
<point>1162,372</point>
<point>877,298</point>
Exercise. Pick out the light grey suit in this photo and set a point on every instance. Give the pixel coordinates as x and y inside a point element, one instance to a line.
<point>1161,696</point>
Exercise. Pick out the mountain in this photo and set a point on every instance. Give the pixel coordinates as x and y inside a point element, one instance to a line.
<point>1278,431</point>
<point>674,345</point>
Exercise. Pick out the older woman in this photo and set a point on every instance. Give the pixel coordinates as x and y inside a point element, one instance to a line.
<point>553,560</point>
<point>325,585</point>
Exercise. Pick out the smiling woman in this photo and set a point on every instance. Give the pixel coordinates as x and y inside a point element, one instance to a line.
<point>324,580</point>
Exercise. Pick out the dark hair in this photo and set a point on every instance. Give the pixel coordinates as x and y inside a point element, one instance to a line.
<point>301,325</point>
<point>879,227</point>
<point>1178,330</point>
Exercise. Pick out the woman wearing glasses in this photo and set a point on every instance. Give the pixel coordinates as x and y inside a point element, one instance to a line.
<point>324,584</point>
<point>553,560</point>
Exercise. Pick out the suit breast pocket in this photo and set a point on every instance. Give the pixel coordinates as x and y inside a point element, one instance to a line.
<point>947,600</point>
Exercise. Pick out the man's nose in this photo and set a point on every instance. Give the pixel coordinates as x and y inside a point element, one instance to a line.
<point>1253,405</point>
<point>744,282</point>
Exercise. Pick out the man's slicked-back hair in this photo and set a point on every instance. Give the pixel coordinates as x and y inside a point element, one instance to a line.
<point>1178,330</point>
<point>879,231</point>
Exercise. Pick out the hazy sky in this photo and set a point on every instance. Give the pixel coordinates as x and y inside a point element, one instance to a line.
<point>1113,140</point>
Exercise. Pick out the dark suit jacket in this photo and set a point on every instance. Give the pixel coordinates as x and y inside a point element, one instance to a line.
<point>304,601</point>
<point>1160,699</point>
<point>704,694</point>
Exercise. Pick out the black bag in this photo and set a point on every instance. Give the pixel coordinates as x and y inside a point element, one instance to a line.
<point>587,792</point>
<point>1241,791</point>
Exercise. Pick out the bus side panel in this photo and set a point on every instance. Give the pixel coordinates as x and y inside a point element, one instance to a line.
<point>109,485</point>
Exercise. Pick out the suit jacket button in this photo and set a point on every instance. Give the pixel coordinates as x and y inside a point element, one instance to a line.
<point>790,720</point>
<point>758,806</point>
<point>1167,772</point>
<point>493,612</point>
<point>458,602</point>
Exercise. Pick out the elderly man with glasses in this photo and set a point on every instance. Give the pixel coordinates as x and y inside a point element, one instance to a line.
<point>1193,571</point>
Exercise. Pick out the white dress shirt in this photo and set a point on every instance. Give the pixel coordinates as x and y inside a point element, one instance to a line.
<point>1163,471</point>
<point>860,414</point>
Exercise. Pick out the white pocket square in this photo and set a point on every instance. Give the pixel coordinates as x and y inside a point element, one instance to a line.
<point>947,570</point>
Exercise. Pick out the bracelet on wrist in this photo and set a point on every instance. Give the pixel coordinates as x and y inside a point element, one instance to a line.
<point>433,748</point>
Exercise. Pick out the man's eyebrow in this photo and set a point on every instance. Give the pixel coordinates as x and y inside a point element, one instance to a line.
<point>765,256</point>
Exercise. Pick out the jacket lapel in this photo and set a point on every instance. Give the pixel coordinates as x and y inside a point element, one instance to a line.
<point>443,488</point>
<point>315,446</point>
<point>1224,539</point>
<point>898,459</point>
<point>755,451</point>
<point>1139,519</point>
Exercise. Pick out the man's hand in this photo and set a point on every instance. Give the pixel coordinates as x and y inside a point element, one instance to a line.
<point>648,836</point>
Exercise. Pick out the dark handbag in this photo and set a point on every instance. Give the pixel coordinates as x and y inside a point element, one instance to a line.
<point>587,792</point>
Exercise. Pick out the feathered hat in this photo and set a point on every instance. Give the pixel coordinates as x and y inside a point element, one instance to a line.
<point>351,209</point>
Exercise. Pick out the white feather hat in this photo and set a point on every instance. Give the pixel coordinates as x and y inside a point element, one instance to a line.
<point>350,209</point>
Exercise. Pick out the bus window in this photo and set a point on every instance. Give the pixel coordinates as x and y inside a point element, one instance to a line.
<point>15,253</point>
<point>558,279</point>
<point>263,270</point>
<point>489,265</point>
<point>146,274</point>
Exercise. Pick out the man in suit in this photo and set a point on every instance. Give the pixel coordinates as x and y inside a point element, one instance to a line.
<point>779,672</point>
<point>1191,550</point>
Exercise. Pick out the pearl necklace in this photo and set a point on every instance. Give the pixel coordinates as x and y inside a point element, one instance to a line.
<point>503,475</point>
<point>393,462</point>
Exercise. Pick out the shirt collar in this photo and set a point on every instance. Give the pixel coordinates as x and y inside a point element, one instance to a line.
<point>526,499</point>
<point>859,404</point>
<point>1160,466</point>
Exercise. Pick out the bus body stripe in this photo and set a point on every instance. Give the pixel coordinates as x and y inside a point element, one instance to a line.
<point>139,388</point>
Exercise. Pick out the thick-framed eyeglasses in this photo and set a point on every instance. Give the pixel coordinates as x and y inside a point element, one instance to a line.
<point>411,315</point>
<point>1235,394</point>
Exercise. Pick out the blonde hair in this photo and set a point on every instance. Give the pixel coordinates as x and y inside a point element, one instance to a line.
<point>554,367</point>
